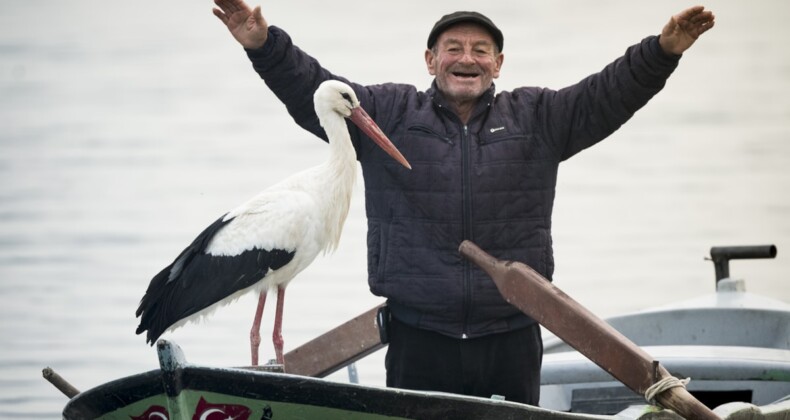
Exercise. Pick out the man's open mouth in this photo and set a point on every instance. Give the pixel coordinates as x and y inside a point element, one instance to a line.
<point>464,74</point>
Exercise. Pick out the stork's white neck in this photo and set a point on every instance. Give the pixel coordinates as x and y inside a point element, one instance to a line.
<point>340,171</point>
<point>341,150</point>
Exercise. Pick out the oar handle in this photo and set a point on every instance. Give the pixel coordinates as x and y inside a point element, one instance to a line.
<point>61,384</point>
<point>530,292</point>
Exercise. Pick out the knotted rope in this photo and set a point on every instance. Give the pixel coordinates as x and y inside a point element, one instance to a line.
<point>663,385</point>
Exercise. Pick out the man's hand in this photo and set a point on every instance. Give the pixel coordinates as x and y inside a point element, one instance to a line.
<point>684,28</point>
<point>247,26</point>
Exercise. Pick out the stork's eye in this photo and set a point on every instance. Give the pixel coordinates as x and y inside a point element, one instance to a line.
<point>346,96</point>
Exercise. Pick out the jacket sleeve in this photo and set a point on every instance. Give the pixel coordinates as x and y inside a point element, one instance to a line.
<point>581,115</point>
<point>293,76</point>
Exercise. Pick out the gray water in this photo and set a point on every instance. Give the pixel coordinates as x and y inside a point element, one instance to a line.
<point>129,126</point>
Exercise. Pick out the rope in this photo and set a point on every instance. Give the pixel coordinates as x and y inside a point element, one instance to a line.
<point>663,385</point>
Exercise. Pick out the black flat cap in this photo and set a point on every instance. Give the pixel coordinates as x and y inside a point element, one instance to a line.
<point>457,17</point>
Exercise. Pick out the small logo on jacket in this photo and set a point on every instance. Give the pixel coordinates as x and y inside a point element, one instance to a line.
<point>494,130</point>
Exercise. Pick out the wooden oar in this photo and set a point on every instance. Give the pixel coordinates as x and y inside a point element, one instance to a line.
<point>61,384</point>
<point>337,348</point>
<point>530,292</point>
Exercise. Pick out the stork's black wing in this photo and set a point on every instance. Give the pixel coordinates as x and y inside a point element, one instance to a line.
<point>197,280</point>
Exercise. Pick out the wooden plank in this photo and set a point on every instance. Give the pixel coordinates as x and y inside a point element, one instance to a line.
<point>336,348</point>
<point>530,292</point>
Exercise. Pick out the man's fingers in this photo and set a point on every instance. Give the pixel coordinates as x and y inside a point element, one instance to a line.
<point>702,17</point>
<point>691,11</point>
<point>694,21</point>
<point>239,6</point>
<point>706,27</point>
<point>230,7</point>
<point>223,5</point>
<point>226,6</point>
<point>256,13</point>
<point>701,23</point>
<point>696,15</point>
<point>218,13</point>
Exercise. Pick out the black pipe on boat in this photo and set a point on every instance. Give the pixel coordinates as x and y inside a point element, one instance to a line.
<point>721,256</point>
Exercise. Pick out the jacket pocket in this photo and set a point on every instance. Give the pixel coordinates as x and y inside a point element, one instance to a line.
<point>425,131</point>
<point>513,147</point>
<point>491,138</point>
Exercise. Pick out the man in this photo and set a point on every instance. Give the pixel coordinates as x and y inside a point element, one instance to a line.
<point>484,168</point>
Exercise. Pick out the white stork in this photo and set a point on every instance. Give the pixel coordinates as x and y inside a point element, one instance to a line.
<point>265,242</point>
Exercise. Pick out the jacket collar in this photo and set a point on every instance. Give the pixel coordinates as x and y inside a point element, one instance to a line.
<point>439,101</point>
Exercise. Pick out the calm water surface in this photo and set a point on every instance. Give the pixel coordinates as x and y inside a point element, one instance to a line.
<point>128,127</point>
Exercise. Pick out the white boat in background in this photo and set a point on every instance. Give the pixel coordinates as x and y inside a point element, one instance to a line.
<point>732,344</point>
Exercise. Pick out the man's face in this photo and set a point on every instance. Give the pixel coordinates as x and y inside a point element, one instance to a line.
<point>465,61</point>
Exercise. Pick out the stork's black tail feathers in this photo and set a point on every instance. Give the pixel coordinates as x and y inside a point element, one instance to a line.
<point>197,280</point>
<point>155,310</point>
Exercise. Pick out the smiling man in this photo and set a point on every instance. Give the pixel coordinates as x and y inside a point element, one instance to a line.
<point>484,168</point>
<point>464,53</point>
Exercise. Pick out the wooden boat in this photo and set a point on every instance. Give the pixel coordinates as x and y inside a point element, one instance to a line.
<point>734,345</point>
<point>180,390</point>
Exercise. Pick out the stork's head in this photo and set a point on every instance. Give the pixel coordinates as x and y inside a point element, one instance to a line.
<point>334,96</point>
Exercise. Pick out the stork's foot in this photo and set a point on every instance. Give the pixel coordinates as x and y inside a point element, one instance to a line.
<point>278,350</point>
<point>271,366</point>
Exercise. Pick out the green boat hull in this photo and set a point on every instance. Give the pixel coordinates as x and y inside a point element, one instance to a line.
<point>182,391</point>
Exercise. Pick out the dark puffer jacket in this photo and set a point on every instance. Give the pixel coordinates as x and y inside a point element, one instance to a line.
<point>491,181</point>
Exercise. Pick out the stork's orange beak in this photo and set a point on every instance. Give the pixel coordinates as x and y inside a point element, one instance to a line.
<point>369,127</point>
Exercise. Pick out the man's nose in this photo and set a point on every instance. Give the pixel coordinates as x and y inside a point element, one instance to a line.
<point>467,57</point>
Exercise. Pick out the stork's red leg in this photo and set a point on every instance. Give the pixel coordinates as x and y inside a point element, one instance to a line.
<point>277,334</point>
<point>255,332</point>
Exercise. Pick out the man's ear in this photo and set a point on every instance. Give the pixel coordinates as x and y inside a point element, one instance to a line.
<point>430,62</point>
<point>499,60</point>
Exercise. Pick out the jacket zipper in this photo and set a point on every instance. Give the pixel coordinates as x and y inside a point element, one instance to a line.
<point>466,178</point>
<point>467,225</point>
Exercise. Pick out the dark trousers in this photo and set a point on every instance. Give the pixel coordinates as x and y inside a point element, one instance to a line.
<point>506,364</point>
